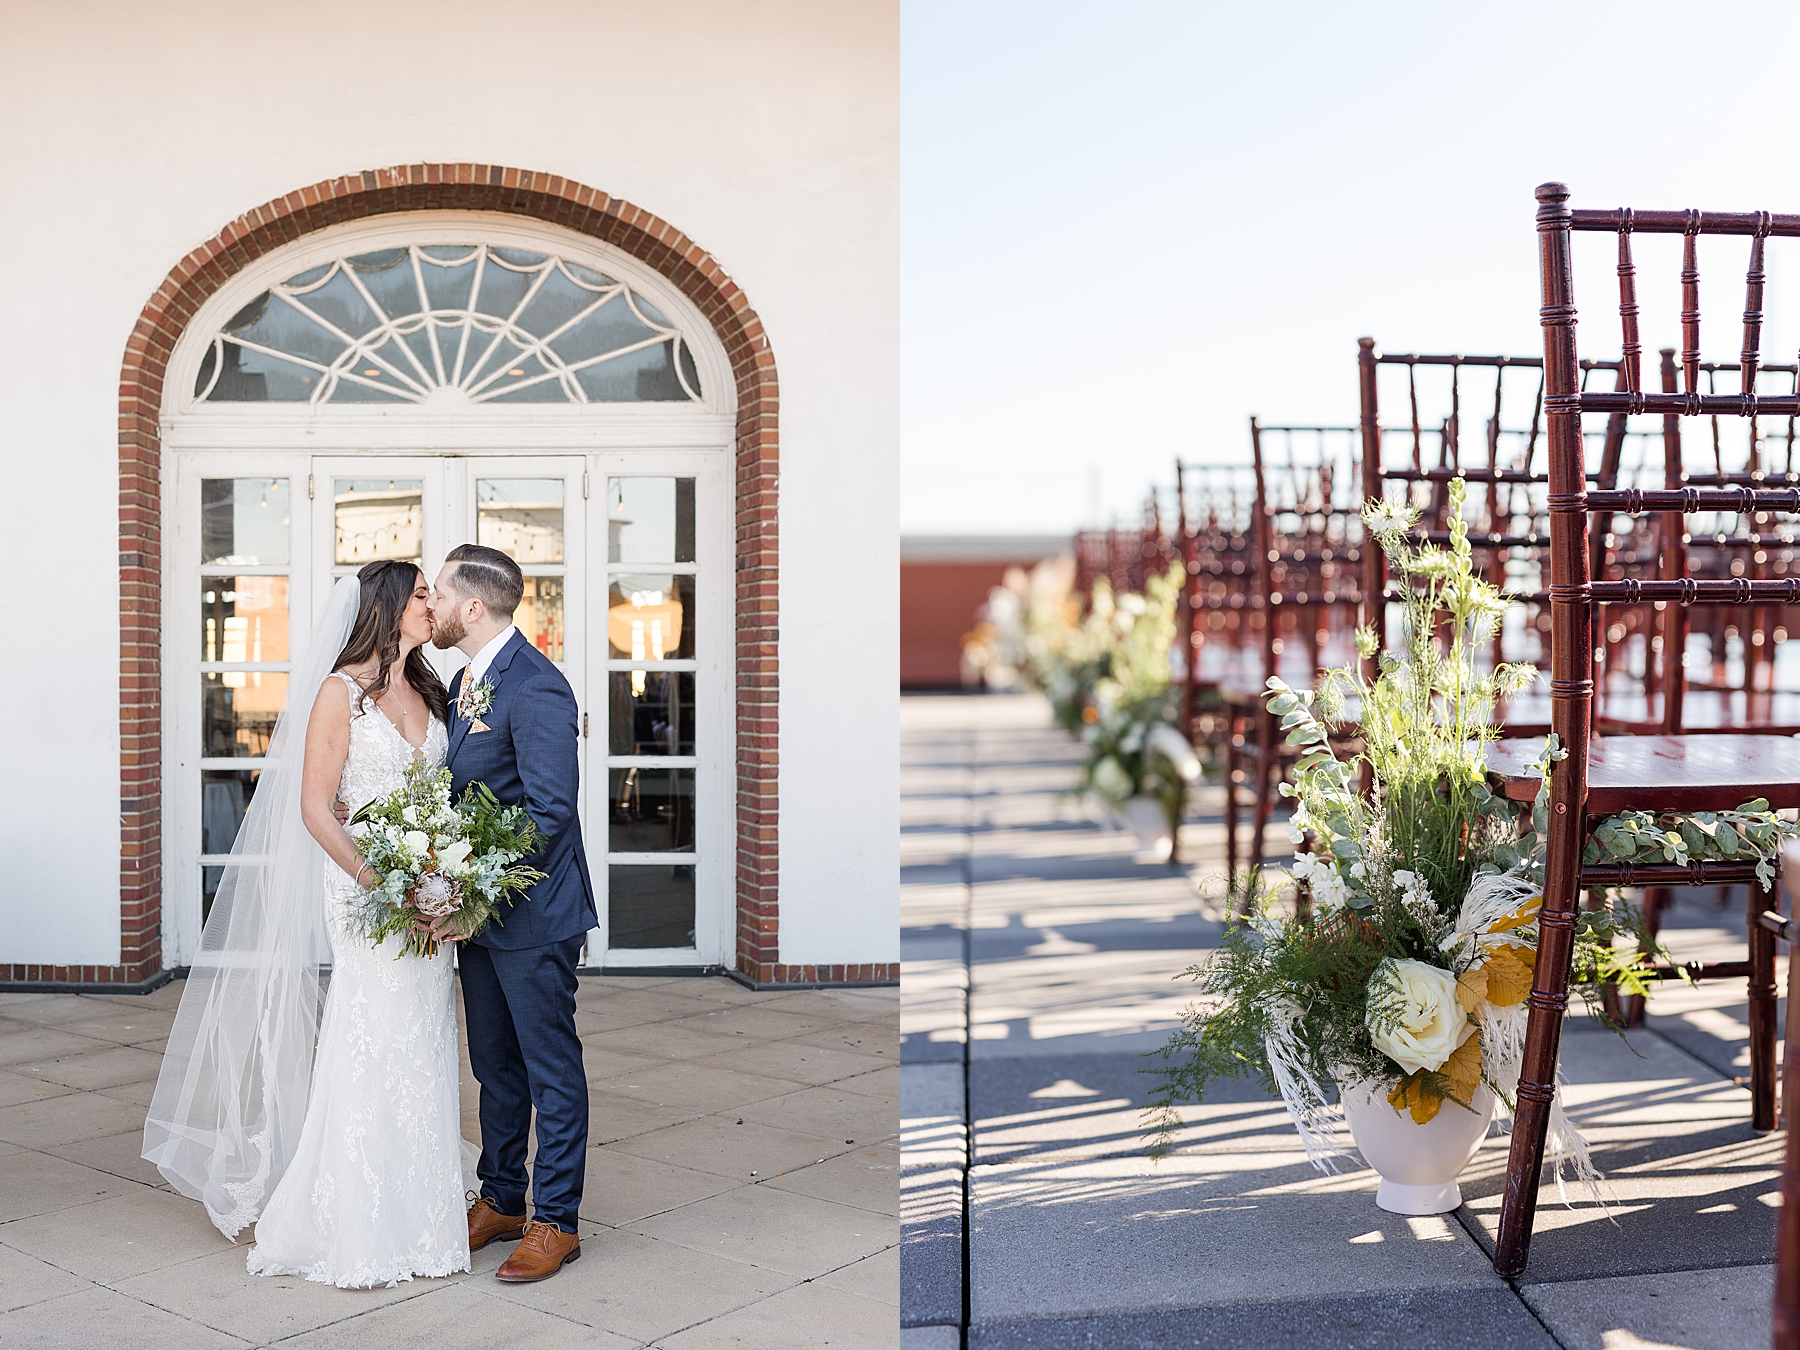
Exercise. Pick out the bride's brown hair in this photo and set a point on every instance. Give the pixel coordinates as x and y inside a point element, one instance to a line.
<point>387,589</point>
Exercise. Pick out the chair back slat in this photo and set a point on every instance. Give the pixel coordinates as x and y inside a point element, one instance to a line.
<point>1690,305</point>
<point>1628,306</point>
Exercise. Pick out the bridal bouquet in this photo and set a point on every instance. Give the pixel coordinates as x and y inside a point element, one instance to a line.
<point>439,861</point>
<point>1413,970</point>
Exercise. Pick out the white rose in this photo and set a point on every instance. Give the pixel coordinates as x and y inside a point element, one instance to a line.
<point>410,815</point>
<point>417,841</point>
<point>1413,1016</point>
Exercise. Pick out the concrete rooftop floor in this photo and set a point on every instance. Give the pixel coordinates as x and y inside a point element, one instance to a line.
<point>742,1189</point>
<point>1039,967</point>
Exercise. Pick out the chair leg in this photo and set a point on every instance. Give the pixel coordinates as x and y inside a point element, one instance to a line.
<point>1231,815</point>
<point>1787,1220</point>
<point>1543,1038</point>
<point>1762,1011</point>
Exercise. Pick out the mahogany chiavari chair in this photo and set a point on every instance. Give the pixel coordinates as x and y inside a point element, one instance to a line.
<point>1306,551</point>
<point>1601,776</point>
<point>1214,505</point>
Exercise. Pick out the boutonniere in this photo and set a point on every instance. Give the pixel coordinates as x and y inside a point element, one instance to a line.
<point>474,700</point>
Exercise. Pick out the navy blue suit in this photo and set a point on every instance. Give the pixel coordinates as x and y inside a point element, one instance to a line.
<point>518,976</point>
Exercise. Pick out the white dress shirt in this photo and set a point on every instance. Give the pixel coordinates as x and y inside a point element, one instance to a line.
<point>485,657</point>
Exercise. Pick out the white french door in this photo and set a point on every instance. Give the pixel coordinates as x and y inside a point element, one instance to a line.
<point>628,589</point>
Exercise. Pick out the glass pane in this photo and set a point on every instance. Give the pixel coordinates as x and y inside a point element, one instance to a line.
<point>650,520</point>
<point>650,618</point>
<point>243,618</point>
<point>644,376</point>
<point>378,518</point>
<point>224,797</point>
<point>522,517</point>
<point>209,887</point>
<point>651,712</point>
<point>244,521</point>
<point>237,711</point>
<point>540,615</point>
<point>649,907</point>
<point>652,810</point>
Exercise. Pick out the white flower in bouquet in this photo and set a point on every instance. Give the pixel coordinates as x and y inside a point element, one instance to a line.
<point>410,815</point>
<point>1174,747</point>
<point>417,842</point>
<point>436,895</point>
<point>453,854</point>
<point>1413,1016</point>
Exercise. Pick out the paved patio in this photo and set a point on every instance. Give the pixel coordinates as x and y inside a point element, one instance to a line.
<point>741,1189</point>
<point>1038,970</point>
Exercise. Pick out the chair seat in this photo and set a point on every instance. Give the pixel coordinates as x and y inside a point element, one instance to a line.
<point>1668,773</point>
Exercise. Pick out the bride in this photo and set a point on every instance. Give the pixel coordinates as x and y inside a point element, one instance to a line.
<point>340,1138</point>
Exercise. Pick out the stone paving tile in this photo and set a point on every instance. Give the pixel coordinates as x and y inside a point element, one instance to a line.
<point>931,1338</point>
<point>765,1022</point>
<point>457,1316</point>
<point>102,1317</point>
<point>621,1187</point>
<point>29,1044</point>
<point>67,1119</point>
<point>931,1246</point>
<point>869,1179</point>
<point>1086,1236</point>
<point>34,1183</point>
<point>25,1280</point>
<point>875,1277</point>
<point>797,1062</point>
<point>121,1155</point>
<point>612,1117</point>
<point>718,1144</point>
<point>127,1026</point>
<point>878,1040</point>
<point>16,1088</point>
<point>641,1288</point>
<point>686,1083</point>
<point>218,1291</point>
<point>830,1112</point>
<point>884,1083</point>
<point>1724,1309</point>
<point>855,1324</point>
<point>102,1066</point>
<point>119,1236</point>
<point>1485,1319</point>
<point>762,1226</point>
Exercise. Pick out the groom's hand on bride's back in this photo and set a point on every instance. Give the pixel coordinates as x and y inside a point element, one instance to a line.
<point>339,810</point>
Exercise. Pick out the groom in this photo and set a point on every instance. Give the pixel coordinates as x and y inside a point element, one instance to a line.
<point>513,727</point>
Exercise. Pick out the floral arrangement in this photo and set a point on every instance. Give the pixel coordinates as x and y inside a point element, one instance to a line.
<point>1413,968</point>
<point>453,864</point>
<point>1128,720</point>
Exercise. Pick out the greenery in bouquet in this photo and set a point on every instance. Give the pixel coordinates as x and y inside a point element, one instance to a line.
<point>456,865</point>
<point>1412,970</point>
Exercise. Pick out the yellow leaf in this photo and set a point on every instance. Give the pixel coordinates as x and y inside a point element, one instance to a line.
<point>1509,972</point>
<point>1472,989</point>
<point>1410,1094</point>
<point>1525,914</point>
<point>1463,1069</point>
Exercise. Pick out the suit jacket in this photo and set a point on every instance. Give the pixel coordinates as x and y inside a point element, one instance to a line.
<point>530,754</point>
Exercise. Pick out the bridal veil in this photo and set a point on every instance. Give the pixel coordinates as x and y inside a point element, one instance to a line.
<point>231,1097</point>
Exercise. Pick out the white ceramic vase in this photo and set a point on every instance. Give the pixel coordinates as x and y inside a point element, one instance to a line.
<point>1145,818</point>
<point>1418,1164</point>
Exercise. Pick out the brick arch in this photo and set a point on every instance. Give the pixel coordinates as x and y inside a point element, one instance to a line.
<point>430,187</point>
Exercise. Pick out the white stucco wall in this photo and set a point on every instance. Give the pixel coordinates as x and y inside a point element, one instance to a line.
<point>765,129</point>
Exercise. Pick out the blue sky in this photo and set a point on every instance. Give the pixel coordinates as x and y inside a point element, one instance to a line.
<point>1127,227</point>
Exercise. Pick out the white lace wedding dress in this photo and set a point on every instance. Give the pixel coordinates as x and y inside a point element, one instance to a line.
<point>374,1194</point>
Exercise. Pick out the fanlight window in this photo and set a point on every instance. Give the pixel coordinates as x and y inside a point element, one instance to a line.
<point>455,323</point>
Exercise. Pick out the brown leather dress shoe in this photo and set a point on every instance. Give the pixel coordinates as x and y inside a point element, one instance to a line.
<point>545,1250</point>
<point>486,1223</point>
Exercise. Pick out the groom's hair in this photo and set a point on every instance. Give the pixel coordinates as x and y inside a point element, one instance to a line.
<point>488,575</point>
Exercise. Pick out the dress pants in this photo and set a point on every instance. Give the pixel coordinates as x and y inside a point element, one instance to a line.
<point>526,1053</point>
